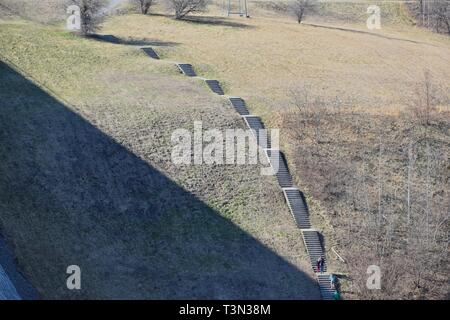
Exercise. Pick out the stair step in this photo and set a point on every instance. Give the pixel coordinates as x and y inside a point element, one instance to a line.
<point>215,87</point>
<point>255,124</point>
<point>239,105</point>
<point>278,160</point>
<point>187,69</point>
<point>151,53</point>
<point>314,247</point>
<point>324,286</point>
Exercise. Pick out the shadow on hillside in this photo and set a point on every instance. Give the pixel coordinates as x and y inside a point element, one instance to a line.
<point>364,32</point>
<point>130,41</point>
<point>207,20</point>
<point>70,194</point>
<point>216,21</point>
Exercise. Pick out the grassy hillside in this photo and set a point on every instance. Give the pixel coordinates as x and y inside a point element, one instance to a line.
<point>363,86</point>
<point>349,144</point>
<point>352,12</point>
<point>86,178</point>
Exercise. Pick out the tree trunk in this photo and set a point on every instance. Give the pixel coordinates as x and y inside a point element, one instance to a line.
<point>409,181</point>
<point>300,16</point>
<point>380,183</point>
<point>447,23</point>
<point>145,6</point>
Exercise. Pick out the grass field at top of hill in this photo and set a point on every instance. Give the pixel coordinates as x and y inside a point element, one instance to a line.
<point>264,59</point>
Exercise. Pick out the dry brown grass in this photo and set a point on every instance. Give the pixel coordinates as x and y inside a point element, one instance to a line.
<point>265,58</point>
<point>268,57</point>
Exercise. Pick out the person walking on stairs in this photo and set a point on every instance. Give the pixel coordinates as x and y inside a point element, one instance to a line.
<point>333,282</point>
<point>336,295</point>
<point>320,264</point>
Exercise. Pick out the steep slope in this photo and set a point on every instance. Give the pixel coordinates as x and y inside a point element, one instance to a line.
<point>87,179</point>
<point>348,142</point>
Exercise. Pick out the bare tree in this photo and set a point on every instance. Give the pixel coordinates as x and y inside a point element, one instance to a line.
<point>380,181</point>
<point>433,14</point>
<point>411,160</point>
<point>311,111</point>
<point>185,7</point>
<point>424,103</point>
<point>300,7</point>
<point>395,219</point>
<point>441,13</point>
<point>144,5</point>
<point>91,14</point>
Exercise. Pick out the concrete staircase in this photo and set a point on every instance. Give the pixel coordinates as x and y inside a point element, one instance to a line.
<point>298,207</point>
<point>314,247</point>
<point>294,197</point>
<point>278,162</point>
<point>255,124</point>
<point>215,87</point>
<point>186,69</point>
<point>239,105</point>
<point>151,53</point>
<point>325,286</point>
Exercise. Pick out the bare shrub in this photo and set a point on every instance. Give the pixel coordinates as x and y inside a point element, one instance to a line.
<point>300,7</point>
<point>144,5</point>
<point>184,7</point>
<point>312,110</point>
<point>5,10</point>
<point>275,6</point>
<point>441,13</point>
<point>433,14</point>
<point>91,14</point>
<point>384,184</point>
<point>425,100</point>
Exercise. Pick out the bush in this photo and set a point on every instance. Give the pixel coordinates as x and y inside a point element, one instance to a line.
<point>144,5</point>
<point>91,14</point>
<point>300,7</point>
<point>185,7</point>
